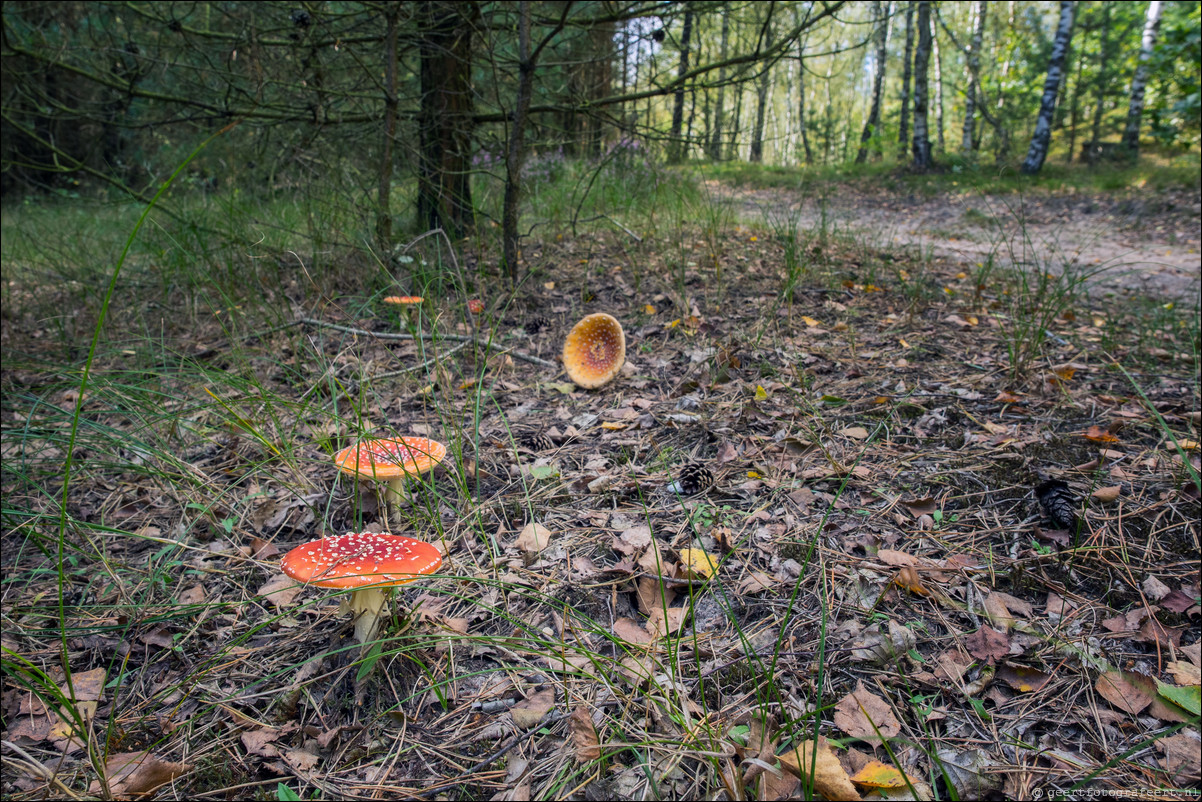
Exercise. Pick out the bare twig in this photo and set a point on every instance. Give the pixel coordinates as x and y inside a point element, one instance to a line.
<point>385,335</point>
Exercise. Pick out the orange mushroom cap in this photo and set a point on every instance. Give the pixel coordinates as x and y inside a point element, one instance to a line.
<point>595,350</point>
<point>390,459</point>
<point>361,559</point>
<point>404,300</point>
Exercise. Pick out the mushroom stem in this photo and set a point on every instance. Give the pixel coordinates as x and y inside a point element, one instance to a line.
<point>367,605</point>
<point>396,490</point>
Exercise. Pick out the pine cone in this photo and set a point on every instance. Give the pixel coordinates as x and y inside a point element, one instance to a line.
<point>1058,503</point>
<point>694,478</point>
<point>536,442</point>
<point>535,324</point>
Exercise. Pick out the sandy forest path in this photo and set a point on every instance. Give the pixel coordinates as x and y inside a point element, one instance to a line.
<point>1140,244</point>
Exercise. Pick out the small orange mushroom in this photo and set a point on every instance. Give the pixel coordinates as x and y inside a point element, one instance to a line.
<point>403,300</point>
<point>370,563</point>
<point>595,350</point>
<point>391,460</point>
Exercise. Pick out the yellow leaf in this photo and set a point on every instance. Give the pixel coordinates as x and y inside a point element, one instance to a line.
<point>613,425</point>
<point>962,274</point>
<point>760,393</point>
<point>973,320</point>
<point>649,309</point>
<point>696,564</point>
<point>550,285</point>
<point>878,775</point>
<point>809,321</point>
<point>903,342</point>
<point>753,475</point>
<point>673,324</point>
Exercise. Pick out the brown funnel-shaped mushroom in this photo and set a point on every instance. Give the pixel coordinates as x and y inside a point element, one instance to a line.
<point>595,350</point>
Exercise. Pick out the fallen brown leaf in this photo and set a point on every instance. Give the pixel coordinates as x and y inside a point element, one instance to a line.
<point>584,736</point>
<point>864,715</point>
<point>816,764</point>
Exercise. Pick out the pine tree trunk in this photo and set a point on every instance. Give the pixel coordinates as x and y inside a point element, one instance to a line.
<point>444,198</point>
<point>922,57</point>
<point>873,124</point>
<point>1042,137</point>
<point>974,79</point>
<point>1139,83</point>
<point>903,133</point>
<point>384,190</point>
<point>677,146</point>
<point>715,146</point>
<point>517,146</point>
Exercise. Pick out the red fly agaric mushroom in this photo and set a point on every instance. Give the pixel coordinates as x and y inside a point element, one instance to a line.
<point>369,563</point>
<point>595,350</point>
<point>475,306</point>
<point>391,460</point>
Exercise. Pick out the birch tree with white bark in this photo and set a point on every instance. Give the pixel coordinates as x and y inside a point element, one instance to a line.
<point>1139,83</point>
<point>1038,152</point>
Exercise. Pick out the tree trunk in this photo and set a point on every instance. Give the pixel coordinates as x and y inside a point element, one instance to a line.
<point>1074,107</point>
<point>677,146</point>
<point>903,133</point>
<point>384,191</point>
<point>922,57</point>
<point>761,107</point>
<point>517,145</point>
<point>1102,76</point>
<point>1042,137</point>
<point>872,125</point>
<point>444,198</point>
<point>801,101</point>
<point>732,147</point>
<point>715,145</point>
<point>1140,82</point>
<point>938,87</point>
<point>974,79</point>
<point>600,82</point>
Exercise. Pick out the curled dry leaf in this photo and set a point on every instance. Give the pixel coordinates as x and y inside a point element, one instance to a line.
<point>1107,494</point>
<point>866,716</point>
<point>135,774</point>
<point>1114,688</point>
<point>814,761</point>
<point>533,538</point>
<point>1022,678</point>
<point>663,621</point>
<point>584,736</point>
<point>530,711</point>
<point>652,594</point>
<point>631,631</point>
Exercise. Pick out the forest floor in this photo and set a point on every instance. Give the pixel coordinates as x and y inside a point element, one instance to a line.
<point>1140,242</point>
<point>950,549</point>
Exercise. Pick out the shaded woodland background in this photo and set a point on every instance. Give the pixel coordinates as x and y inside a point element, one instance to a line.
<point>394,110</point>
